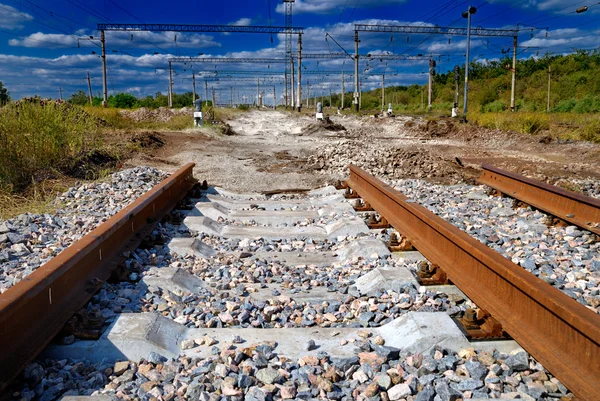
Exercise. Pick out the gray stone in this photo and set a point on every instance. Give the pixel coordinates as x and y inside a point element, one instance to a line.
<point>445,393</point>
<point>426,394</point>
<point>518,362</point>
<point>255,394</point>
<point>401,390</point>
<point>268,375</point>
<point>477,370</point>
<point>467,385</point>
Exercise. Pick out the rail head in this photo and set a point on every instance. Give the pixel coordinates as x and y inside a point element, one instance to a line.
<point>541,318</point>
<point>588,200</point>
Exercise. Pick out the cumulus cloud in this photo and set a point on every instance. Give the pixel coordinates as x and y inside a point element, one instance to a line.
<point>332,6</point>
<point>242,22</point>
<point>11,18</point>
<point>119,40</point>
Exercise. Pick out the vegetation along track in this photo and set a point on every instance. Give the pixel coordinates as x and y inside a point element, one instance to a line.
<point>555,329</point>
<point>558,331</point>
<point>34,310</point>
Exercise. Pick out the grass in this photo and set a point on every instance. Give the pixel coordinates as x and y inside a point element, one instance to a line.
<point>44,143</point>
<point>37,136</point>
<point>564,126</point>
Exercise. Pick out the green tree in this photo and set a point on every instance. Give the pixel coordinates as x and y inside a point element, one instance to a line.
<point>79,98</point>
<point>4,95</point>
<point>122,101</point>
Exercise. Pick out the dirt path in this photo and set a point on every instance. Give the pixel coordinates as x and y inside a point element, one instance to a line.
<point>278,150</point>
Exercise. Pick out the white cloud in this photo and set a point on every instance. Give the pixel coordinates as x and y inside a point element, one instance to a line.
<point>242,22</point>
<point>11,18</point>
<point>119,40</point>
<point>332,6</point>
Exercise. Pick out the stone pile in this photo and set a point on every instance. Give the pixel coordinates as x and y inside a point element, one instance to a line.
<point>30,240</point>
<point>256,372</point>
<point>162,114</point>
<point>386,162</point>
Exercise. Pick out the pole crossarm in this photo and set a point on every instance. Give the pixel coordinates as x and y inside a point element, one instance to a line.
<point>440,30</point>
<point>201,28</point>
<point>371,56</point>
<point>251,79</point>
<point>309,72</point>
<point>217,60</point>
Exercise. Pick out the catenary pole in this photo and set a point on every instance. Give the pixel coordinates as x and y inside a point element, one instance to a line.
<point>514,75</point>
<point>467,62</point>
<point>104,86</point>
<point>170,85</point>
<point>356,83</point>
<point>90,89</point>
<point>299,90</point>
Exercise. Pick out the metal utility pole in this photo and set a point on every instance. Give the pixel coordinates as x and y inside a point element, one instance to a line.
<point>104,86</point>
<point>231,94</point>
<point>514,75</point>
<point>285,95</point>
<point>356,89</point>
<point>258,92</point>
<point>206,91</point>
<point>194,87</point>
<point>342,90</point>
<point>299,90</point>
<point>548,106</point>
<point>467,14</point>
<point>170,85</point>
<point>288,48</point>
<point>293,99</point>
<point>360,95</point>
<point>382,91</point>
<point>274,98</point>
<point>214,103</point>
<point>456,83</point>
<point>430,84</point>
<point>60,92</point>
<point>90,89</point>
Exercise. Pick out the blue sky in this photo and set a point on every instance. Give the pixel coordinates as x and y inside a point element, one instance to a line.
<point>40,51</point>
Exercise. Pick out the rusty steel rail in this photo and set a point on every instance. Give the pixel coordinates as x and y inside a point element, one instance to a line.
<point>34,310</point>
<point>577,209</point>
<point>558,331</point>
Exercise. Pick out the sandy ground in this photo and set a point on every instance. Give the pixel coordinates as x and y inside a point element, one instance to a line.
<point>271,148</point>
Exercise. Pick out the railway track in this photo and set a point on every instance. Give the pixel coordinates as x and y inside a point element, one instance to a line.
<point>283,251</point>
<point>555,329</point>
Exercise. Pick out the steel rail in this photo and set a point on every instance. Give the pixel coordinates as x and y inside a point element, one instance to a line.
<point>558,331</point>
<point>580,210</point>
<point>34,310</point>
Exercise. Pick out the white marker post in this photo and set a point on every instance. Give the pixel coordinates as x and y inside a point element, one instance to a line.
<point>198,118</point>
<point>319,111</point>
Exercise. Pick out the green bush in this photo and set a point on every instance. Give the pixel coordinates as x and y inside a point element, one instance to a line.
<point>565,106</point>
<point>494,107</point>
